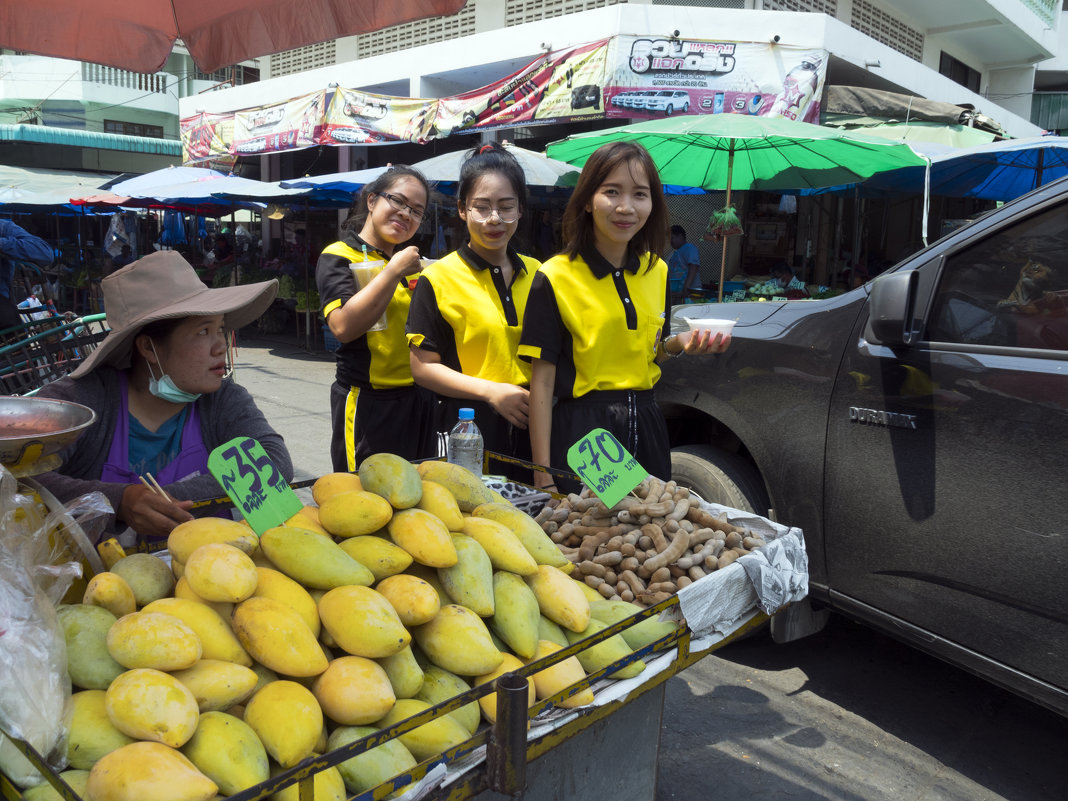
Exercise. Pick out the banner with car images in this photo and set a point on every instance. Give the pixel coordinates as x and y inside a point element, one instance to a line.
<point>622,77</point>
<point>657,77</point>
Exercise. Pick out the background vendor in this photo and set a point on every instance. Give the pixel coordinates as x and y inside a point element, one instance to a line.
<point>157,385</point>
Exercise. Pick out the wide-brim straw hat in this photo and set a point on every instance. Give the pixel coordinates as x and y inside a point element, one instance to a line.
<point>164,286</point>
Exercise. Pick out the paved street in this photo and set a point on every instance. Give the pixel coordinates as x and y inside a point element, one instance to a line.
<point>846,714</point>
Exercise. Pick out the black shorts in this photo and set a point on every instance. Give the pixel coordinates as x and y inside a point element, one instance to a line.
<point>367,421</point>
<point>498,435</point>
<point>631,416</point>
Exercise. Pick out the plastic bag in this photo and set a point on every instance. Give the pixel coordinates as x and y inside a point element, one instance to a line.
<point>723,223</point>
<point>35,687</point>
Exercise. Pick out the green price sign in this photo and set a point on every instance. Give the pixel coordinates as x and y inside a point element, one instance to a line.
<point>253,483</point>
<point>605,466</point>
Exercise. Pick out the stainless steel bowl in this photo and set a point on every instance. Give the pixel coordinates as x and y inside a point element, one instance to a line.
<point>32,429</point>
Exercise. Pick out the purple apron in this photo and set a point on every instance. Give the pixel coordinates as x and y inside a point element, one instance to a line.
<point>192,459</point>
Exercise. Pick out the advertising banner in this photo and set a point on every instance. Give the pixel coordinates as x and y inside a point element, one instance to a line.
<point>206,137</point>
<point>360,118</point>
<point>660,77</point>
<point>291,125</point>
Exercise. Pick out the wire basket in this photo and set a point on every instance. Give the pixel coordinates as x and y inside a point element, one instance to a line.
<point>41,351</point>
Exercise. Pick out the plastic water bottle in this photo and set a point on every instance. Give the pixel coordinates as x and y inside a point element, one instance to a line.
<point>465,443</point>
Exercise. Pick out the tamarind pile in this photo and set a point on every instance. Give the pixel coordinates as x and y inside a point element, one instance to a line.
<point>648,546</point>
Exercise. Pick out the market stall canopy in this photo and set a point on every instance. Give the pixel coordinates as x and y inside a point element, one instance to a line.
<point>171,187</point>
<point>165,176</point>
<point>138,35</point>
<point>920,133</point>
<point>855,105</point>
<point>539,169</point>
<point>736,151</point>
<point>340,185</point>
<point>37,187</point>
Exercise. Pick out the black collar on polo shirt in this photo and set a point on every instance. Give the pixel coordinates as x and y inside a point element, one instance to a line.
<point>468,254</point>
<point>357,242</point>
<point>601,267</point>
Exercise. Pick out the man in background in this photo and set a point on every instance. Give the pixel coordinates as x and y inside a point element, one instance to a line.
<point>683,265</point>
<point>17,244</point>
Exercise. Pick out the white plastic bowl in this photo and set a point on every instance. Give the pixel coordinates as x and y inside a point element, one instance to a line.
<point>716,326</point>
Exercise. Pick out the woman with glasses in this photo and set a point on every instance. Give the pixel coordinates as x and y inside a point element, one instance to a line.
<point>365,289</point>
<point>598,317</point>
<point>467,312</point>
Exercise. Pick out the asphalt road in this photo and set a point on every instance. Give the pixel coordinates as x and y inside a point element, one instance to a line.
<point>846,714</point>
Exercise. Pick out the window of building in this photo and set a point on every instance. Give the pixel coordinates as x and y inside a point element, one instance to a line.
<point>958,71</point>
<point>133,129</point>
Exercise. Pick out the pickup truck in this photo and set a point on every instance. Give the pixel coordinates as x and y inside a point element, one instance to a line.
<point>916,429</point>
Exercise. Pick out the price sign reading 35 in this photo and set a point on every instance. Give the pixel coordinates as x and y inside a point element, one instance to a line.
<point>606,467</point>
<point>253,483</point>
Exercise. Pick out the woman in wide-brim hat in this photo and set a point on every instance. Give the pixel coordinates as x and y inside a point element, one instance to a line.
<point>156,383</point>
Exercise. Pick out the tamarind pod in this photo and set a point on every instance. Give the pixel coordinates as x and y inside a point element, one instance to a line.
<point>726,558</point>
<point>573,516</point>
<point>609,558</point>
<point>711,563</point>
<point>676,571</point>
<point>593,581</point>
<point>589,568</point>
<point>607,590</point>
<point>671,487</point>
<point>614,544</point>
<point>687,526</point>
<point>629,563</point>
<point>627,549</point>
<point>625,516</point>
<point>558,536</point>
<point>627,502</point>
<point>591,540</point>
<point>652,599</point>
<point>683,581</point>
<point>655,488</point>
<point>585,492</point>
<point>644,543</point>
<point>686,562</point>
<point>675,549</point>
<point>661,586</point>
<point>627,528</point>
<point>573,542</point>
<point>552,503</point>
<point>734,539</point>
<point>560,514</point>
<point>586,504</point>
<point>670,525</point>
<point>752,543</point>
<point>643,572</point>
<point>656,535</point>
<point>611,577</point>
<point>657,509</point>
<point>659,520</point>
<point>708,520</point>
<point>660,574</point>
<point>680,510</point>
<point>573,499</point>
<point>544,514</point>
<point>682,494</point>
<point>627,596</point>
<point>695,573</point>
<point>644,519</point>
<point>635,584</point>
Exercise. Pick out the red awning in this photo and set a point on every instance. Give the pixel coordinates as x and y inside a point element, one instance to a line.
<point>138,35</point>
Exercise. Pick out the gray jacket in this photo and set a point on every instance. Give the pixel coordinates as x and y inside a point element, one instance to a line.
<point>230,412</point>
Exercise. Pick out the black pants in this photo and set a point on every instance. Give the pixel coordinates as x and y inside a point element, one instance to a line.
<point>498,435</point>
<point>631,416</point>
<point>367,421</point>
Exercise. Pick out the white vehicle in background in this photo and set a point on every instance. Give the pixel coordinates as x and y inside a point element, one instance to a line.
<point>668,101</point>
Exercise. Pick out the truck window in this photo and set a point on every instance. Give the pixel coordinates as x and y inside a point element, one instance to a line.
<point>1009,290</point>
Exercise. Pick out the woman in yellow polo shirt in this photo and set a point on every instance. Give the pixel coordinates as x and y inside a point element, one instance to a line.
<point>467,312</point>
<point>598,317</point>
<point>375,405</point>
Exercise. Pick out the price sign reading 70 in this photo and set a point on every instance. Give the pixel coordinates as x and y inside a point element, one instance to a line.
<point>606,467</point>
<point>253,483</point>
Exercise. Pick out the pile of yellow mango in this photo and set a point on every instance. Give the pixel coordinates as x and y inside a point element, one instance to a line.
<point>403,586</point>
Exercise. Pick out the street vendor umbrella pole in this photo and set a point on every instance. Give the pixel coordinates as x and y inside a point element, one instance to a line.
<point>723,254</point>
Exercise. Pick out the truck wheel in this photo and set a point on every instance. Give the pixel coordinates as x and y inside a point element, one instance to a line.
<point>720,477</point>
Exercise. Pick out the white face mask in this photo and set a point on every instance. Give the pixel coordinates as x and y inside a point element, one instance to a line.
<point>164,388</point>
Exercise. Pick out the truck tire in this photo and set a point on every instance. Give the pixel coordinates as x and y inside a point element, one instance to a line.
<point>719,476</point>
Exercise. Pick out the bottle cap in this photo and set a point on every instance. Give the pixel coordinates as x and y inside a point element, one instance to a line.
<point>467,414</point>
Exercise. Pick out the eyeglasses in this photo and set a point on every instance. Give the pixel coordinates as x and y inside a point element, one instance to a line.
<point>506,214</point>
<point>398,204</point>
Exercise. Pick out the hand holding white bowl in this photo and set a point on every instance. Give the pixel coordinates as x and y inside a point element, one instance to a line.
<point>706,336</point>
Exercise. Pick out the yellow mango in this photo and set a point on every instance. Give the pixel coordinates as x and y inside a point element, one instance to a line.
<point>640,634</point>
<point>430,576</point>
<point>405,675</point>
<point>393,477</point>
<point>372,767</point>
<point>354,691</point>
<point>431,738</point>
<point>423,536</point>
<point>277,585</point>
<point>307,518</point>
<point>353,514</point>
<point>591,594</point>
<point>85,631</point>
<point>188,536</point>
<point>217,639</point>
<point>533,537</point>
<point>559,598</point>
<point>264,675</point>
<point>470,581</point>
<point>488,703</point>
<point>515,613</point>
<point>442,504</point>
<point>504,548</point>
<point>415,601</point>
<point>362,622</point>
<point>110,591</point>
<point>287,719</point>
<point>377,554</point>
<point>334,483</point>
<point>177,568</point>
<point>275,635</point>
<point>227,751</point>
<point>563,674</point>
<point>152,705</point>
<point>604,653</point>
<point>77,780</point>
<point>183,591</point>
<point>312,560</point>
<point>153,640</point>
<point>216,684</point>
<point>327,785</point>
<point>149,770</point>
<point>441,685</point>
<point>220,572</point>
<point>92,734</point>
<point>547,630</point>
<point>457,640</point>
<point>148,576</point>
<point>465,486</point>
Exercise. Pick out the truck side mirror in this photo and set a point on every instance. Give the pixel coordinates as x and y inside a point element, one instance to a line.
<point>891,305</point>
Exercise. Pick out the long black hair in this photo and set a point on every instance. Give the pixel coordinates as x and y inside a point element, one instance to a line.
<point>577,223</point>
<point>383,183</point>
<point>489,158</point>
